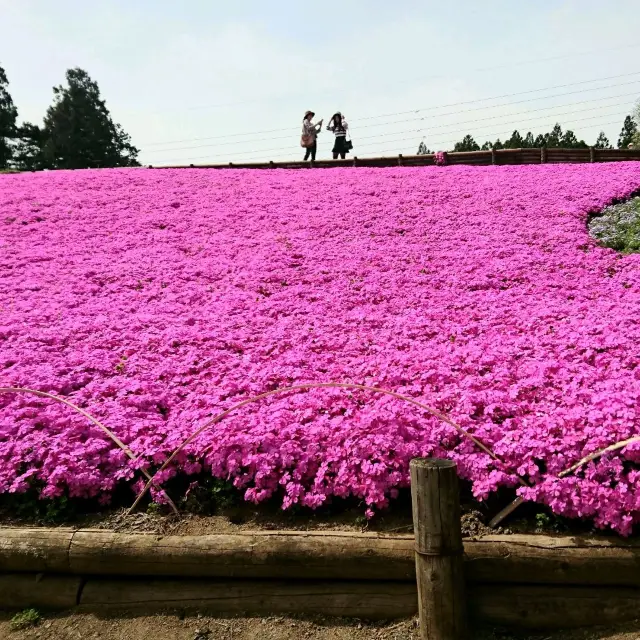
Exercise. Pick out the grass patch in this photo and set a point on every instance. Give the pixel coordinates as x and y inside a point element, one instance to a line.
<point>25,620</point>
<point>618,226</point>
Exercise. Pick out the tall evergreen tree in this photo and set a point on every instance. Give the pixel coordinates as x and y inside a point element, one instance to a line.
<point>602,142</point>
<point>629,130</point>
<point>27,153</point>
<point>529,141</point>
<point>515,141</point>
<point>554,138</point>
<point>570,141</point>
<point>8,115</point>
<point>79,132</point>
<point>423,150</point>
<point>540,141</point>
<point>467,144</point>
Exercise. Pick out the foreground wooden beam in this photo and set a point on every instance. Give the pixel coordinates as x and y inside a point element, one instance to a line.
<point>368,600</point>
<point>553,607</point>
<point>22,590</point>
<point>35,549</point>
<point>275,555</point>
<point>528,559</point>
<point>525,606</point>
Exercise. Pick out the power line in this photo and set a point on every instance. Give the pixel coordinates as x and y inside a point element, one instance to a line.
<point>290,135</point>
<point>429,77</point>
<point>562,86</point>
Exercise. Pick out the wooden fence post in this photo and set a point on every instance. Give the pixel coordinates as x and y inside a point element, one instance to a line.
<point>592,154</point>
<point>355,161</point>
<point>438,549</point>
<point>493,156</point>
<point>399,159</point>
<point>543,155</point>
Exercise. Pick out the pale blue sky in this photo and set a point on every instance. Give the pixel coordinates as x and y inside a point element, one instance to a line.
<point>202,71</point>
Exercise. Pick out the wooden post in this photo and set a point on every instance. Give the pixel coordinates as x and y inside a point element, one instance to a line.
<point>355,161</point>
<point>543,155</point>
<point>493,156</point>
<point>438,549</point>
<point>592,154</point>
<point>399,159</point>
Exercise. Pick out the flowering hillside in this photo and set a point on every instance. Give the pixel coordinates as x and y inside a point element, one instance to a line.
<point>157,298</point>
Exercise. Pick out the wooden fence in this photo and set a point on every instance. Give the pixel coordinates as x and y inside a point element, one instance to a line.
<point>481,158</point>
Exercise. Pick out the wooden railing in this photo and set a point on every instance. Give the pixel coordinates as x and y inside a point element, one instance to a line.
<point>482,158</point>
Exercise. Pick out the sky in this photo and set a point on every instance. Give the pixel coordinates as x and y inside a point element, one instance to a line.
<point>207,81</point>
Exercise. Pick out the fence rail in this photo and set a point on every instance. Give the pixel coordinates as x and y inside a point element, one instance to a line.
<point>480,158</point>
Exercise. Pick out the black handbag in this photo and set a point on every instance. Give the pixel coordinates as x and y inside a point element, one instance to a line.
<point>349,144</point>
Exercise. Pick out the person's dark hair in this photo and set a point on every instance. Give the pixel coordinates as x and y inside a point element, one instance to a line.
<point>336,118</point>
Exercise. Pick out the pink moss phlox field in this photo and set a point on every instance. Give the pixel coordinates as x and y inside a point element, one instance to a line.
<point>156,298</point>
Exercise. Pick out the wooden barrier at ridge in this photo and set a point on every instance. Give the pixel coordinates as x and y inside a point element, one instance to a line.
<point>480,158</point>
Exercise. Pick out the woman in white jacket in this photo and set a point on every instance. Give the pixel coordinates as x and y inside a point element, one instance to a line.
<point>310,132</point>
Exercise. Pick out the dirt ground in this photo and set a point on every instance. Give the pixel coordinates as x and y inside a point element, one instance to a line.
<point>122,626</point>
<point>247,517</point>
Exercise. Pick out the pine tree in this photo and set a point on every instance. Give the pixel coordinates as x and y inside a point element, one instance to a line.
<point>467,144</point>
<point>515,141</point>
<point>79,132</point>
<point>629,130</point>
<point>8,116</point>
<point>602,142</point>
<point>570,141</point>
<point>529,141</point>
<point>27,154</point>
<point>554,138</point>
<point>423,150</point>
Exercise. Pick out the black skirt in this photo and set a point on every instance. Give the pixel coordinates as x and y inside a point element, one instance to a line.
<point>340,145</point>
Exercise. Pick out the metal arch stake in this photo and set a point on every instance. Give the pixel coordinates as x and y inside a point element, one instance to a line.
<point>106,430</point>
<point>319,385</point>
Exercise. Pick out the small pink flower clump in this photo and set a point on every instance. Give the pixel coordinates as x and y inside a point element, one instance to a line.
<point>156,298</point>
<point>440,158</point>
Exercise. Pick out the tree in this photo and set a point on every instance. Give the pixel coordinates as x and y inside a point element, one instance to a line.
<point>554,138</point>
<point>79,132</point>
<point>602,142</point>
<point>636,117</point>
<point>629,130</point>
<point>8,116</point>
<point>423,150</point>
<point>515,141</point>
<point>569,141</point>
<point>540,141</point>
<point>488,145</point>
<point>467,144</point>
<point>27,154</point>
<point>529,141</point>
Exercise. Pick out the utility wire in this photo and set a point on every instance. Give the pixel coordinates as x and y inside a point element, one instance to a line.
<point>464,74</point>
<point>291,135</point>
<point>561,86</point>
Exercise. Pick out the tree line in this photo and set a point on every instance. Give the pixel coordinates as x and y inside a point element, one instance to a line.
<point>77,131</point>
<point>629,135</point>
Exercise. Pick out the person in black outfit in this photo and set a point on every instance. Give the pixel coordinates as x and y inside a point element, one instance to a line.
<point>339,126</point>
